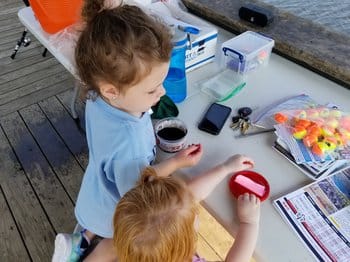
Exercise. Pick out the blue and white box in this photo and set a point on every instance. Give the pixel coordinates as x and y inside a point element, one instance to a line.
<point>202,46</point>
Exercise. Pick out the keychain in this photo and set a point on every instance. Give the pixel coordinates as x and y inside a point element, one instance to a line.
<point>242,121</point>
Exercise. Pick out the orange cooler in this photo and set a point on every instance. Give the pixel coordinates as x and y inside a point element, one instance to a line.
<point>54,15</point>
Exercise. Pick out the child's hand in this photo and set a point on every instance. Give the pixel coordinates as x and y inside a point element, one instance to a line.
<point>248,209</point>
<point>238,163</point>
<point>189,156</point>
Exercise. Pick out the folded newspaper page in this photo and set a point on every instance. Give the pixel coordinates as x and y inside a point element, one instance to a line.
<point>314,170</point>
<point>319,214</point>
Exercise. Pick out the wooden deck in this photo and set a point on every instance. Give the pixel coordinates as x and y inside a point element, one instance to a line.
<point>29,77</point>
<point>43,152</point>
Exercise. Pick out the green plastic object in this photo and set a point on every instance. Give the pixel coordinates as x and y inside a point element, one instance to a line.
<point>164,108</point>
<point>234,92</point>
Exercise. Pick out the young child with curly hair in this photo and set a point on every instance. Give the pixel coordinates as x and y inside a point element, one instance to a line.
<point>122,57</point>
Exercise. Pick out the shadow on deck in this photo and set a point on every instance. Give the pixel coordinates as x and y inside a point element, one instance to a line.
<point>43,155</point>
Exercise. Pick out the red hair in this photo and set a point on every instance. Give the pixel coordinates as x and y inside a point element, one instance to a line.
<point>154,222</point>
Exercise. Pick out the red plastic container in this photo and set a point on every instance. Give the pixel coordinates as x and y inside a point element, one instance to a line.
<point>54,15</point>
<point>249,182</point>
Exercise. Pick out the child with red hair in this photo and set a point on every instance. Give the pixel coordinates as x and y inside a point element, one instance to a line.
<point>157,220</point>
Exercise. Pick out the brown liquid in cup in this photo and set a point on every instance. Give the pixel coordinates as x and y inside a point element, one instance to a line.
<point>171,133</point>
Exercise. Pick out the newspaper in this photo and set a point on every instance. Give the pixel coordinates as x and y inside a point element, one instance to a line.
<point>314,170</point>
<point>319,214</point>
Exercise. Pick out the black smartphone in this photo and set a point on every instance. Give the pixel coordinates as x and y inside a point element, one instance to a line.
<point>214,119</point>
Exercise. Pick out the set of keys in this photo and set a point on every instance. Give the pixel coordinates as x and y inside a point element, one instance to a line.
<point>242,121</point>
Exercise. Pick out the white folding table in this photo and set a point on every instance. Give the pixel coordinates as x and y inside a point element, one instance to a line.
<point>281,78</point>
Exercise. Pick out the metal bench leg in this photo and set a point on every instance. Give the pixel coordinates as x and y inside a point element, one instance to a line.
<point>78,228</point>
<point>74,99</point>
<point>45,52</point>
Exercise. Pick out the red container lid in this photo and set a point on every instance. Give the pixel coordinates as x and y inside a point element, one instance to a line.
<point>249,182</point>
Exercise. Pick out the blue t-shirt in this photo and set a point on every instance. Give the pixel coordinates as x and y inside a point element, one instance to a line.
<point>120,146</point>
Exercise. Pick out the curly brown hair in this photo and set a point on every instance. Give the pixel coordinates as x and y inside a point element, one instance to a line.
<point>119,45</point>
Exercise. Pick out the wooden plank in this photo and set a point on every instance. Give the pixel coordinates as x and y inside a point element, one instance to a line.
<point>19,2</point>
<point>22,54</point>
<point>30,79</point>
<point>216,236</point>
<point>8,4</point>
<point>48,188</point>
<point>7,52</point>
<point>16,29</point>
<point>11,245</point>
<point>4,2</point>
<point>60,158</point>
<point>26,89</point>
<point>204,250</point>
<point>6,49</point>
<point>31,220</point>
<point>9,8</point>
<point>6,26</point>
<point>12,18</point>
<point>35,97</point>
<point>12,35</point>
<point>20,67</point>
<point>73,137</point>
<point>8,15</point>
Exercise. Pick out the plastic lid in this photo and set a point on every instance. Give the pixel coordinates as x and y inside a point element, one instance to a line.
<point>249,182</point>
<point>179,37</point>
<point>248,42</point>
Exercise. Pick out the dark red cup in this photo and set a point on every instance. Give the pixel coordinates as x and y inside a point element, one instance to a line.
<point>247,181</point>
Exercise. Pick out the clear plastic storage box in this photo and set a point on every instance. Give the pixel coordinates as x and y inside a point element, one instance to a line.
<point>246,52</point>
